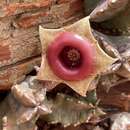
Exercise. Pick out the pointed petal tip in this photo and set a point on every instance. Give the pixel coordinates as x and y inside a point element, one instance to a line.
<point>40,29</point>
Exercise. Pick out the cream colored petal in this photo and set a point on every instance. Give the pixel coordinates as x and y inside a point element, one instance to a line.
<point>82,28</point>
<point>47,36</point>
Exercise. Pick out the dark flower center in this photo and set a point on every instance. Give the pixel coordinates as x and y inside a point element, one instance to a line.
<point>70,57</point>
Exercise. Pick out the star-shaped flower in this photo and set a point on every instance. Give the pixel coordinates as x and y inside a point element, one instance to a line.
<point>97,59</point>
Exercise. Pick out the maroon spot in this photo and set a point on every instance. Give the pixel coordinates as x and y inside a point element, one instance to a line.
<point>4,53</point>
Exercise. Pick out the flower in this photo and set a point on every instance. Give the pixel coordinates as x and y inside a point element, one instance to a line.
<point>100,62</point>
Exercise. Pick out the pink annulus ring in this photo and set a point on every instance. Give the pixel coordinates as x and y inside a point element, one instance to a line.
<point>71,57</point>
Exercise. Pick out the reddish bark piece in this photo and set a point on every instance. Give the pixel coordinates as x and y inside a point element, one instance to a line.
<point>16,8</point>
<point>4,52</point>
<point>80,51</point>
<point>29,21</point>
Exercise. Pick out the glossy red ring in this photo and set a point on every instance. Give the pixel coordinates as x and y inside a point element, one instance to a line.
<point>73,40</point>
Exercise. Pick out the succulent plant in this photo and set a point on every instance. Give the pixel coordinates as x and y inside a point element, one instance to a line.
<point>28,101</point>
<point>114,31</point>
<point>23,105</point>
<point>68,111</point>
<point>108,9</point>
